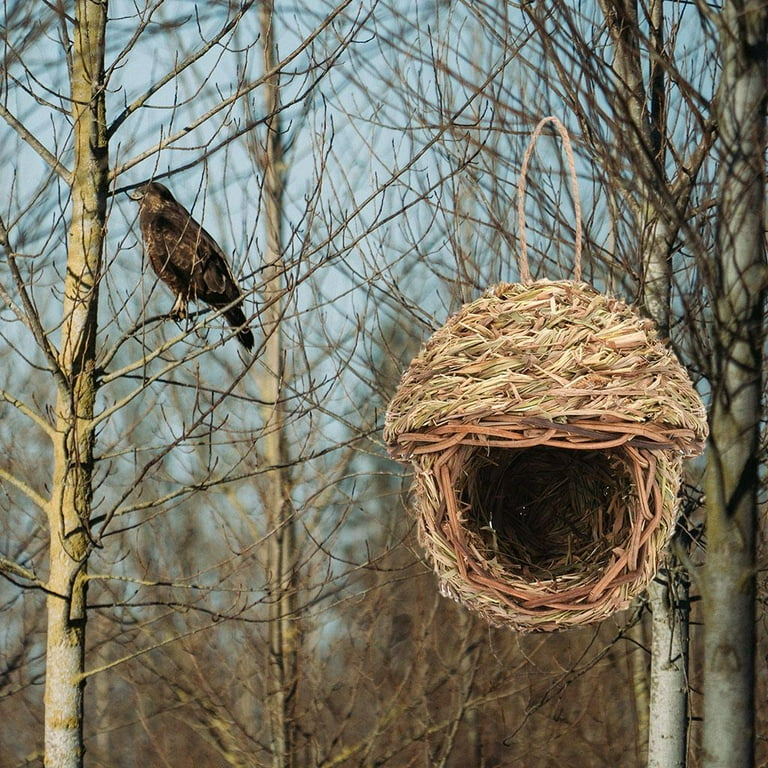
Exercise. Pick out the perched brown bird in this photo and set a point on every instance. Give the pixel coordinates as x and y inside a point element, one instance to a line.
<point>187,259</point>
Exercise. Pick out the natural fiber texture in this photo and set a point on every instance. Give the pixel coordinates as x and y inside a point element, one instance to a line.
<point>525,272</point>
<point>546,424</point>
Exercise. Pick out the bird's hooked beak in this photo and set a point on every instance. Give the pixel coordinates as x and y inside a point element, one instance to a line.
<point>138,193</point>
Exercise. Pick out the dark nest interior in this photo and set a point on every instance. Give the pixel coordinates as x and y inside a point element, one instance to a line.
<point>546,512</point>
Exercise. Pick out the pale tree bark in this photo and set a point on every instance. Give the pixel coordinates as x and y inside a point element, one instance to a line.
<point>638,680</point>
<point>70,504</point>
<point>668,720</point>
<point>284,638</point>
<point>668,593</point>
<point>738,280</point>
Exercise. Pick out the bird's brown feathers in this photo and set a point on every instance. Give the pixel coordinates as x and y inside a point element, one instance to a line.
<point>187,259</point>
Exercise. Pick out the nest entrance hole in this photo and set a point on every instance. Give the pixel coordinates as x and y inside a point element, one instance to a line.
<point>548,512</point>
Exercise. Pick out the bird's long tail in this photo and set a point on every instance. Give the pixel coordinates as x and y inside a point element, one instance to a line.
<point>236,318</point>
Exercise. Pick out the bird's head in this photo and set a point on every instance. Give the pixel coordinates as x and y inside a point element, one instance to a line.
<point>151,194</point>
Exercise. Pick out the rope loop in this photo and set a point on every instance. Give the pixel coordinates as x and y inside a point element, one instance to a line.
<point>525,272</point>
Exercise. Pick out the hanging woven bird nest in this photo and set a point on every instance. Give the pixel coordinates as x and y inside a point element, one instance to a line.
<point>546,424</point>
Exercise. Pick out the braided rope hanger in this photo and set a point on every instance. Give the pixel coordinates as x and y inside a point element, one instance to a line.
<point>525,272</point>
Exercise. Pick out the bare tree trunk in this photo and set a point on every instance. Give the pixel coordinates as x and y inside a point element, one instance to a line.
<point>70,504</point>
<point>668,594</point>
<point>668,721</point>
<point>283,629</point>
<point>638,677</point>
<point>738,279</point>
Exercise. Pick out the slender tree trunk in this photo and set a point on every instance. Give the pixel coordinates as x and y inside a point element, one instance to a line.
<point>668,721</point>
<point>638,676</point>
<point>668,593</point>
<point>283,627</point>
<point>732,480</point>
<point>70,504</point>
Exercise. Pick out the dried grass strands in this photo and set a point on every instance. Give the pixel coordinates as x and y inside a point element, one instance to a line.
<point>546,425</point>
<point>550,349</point>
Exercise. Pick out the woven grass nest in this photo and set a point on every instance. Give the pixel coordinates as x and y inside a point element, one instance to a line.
<point>546,424</point>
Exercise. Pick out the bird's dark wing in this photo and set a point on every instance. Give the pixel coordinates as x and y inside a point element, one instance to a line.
<point>214,281</point>
<point>215,284</point>
<point>171,244</point>
<point>190,261</point>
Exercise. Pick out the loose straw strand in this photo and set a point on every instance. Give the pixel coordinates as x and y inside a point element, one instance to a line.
<point>525,272</point>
